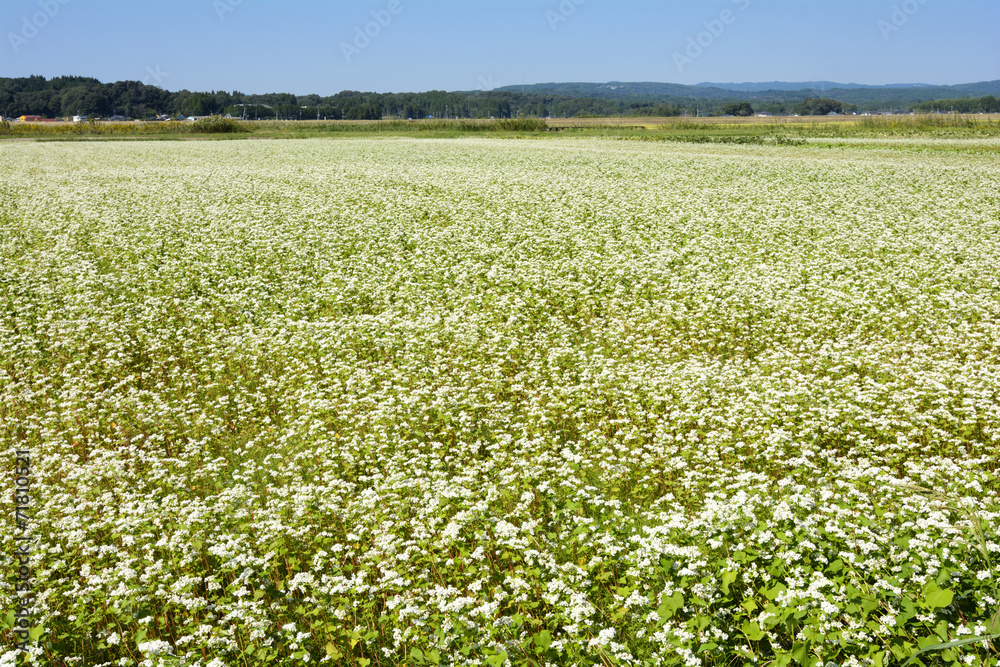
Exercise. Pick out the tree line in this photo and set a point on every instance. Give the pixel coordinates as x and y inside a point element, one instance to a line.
<point>988,104</point>
<point>67,96</point>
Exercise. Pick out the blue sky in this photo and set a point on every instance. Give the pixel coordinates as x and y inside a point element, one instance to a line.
<point>314,46</point>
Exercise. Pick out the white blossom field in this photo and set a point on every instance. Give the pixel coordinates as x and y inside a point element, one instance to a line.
<point>378,402</point>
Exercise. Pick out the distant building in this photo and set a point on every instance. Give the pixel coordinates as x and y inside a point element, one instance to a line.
<point>30,119</point>
<point>80,119</point>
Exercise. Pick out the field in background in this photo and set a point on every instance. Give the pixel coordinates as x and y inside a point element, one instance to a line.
<point>476,401</point>
<point>846,120</point>
<point>663,129</point>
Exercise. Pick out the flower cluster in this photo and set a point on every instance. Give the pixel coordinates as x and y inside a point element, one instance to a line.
<point>478,401</point>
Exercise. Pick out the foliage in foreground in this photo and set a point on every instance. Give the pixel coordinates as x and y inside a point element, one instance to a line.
<point>482,402</point>
<point>219,125</point>
<point>124,130</point>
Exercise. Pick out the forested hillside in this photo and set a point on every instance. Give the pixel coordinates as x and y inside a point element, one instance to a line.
<point>66,96</point>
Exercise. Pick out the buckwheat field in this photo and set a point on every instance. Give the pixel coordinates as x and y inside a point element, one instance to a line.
<point>491,402</point>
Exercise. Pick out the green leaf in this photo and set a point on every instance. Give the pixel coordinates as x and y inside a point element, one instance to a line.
<point>417,655</point>
<point>333,652</point>
<point>543,640</point>
<point>35,633</point>
<point>938,598</point>
<point>728,578</point>
<point>669,606</point>
<point>954,644</point>
<point>753,631</point>
<point>497,660</point>
<point>909,611</point>
<point>434,657</point>
<point>773,593</point>
<point>868,605</point>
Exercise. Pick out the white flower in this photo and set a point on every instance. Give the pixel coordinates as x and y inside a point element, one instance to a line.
<point>155,647</point>
<point>271,376</point>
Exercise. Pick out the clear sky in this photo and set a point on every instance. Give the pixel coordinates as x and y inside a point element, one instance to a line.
<point>320,46</point>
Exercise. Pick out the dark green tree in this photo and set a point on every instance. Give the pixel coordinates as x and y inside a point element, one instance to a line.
<point>39,102</point>
<point>738,109</point>
<point>819,106</point>
<point>360,110</point>
<point>85,100</point>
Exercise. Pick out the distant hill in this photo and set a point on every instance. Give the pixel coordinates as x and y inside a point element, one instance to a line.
<point>804,85</point>
<point>66,96</point>
<point>618,90</point>
<point>775,91</point>
<point>983,88</point>
<point>615,90</point>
